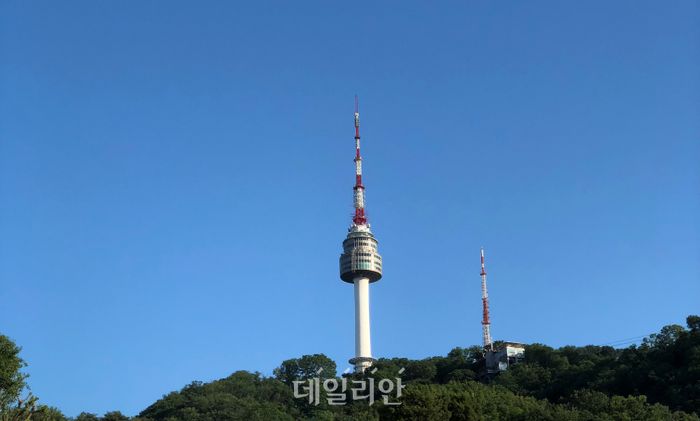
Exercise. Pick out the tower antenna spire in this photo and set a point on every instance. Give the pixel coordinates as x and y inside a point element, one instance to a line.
<point>485,321</point>
<point>359,189</point>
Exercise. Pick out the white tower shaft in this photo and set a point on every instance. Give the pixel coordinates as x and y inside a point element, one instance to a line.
<point>363,347</point>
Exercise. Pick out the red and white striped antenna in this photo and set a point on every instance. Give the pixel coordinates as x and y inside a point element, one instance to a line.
<point>486,321</point>
<point>359,189</point>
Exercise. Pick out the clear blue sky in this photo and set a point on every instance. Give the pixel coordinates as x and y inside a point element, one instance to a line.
<point>175,181</point>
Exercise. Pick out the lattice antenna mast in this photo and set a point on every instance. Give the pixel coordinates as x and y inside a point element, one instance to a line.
<point>359,189</point>
<point>486,321</point>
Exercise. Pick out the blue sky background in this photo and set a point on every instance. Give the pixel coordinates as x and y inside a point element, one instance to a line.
<point>175,181</point>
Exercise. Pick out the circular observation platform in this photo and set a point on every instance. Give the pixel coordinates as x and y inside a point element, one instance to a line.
<point>360,257</point>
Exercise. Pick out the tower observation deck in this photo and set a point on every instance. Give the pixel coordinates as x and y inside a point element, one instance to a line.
<point>360,257</point>
<point>360,262</point>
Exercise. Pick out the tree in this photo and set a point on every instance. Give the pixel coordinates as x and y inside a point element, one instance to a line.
<point>115,416</point>
<point>545,356</point>
<point>86,416</point>
<point>47,413</point>
<point>420,371</point>
<point>306,367</point>
<point>665,338</point>
<point>12,380</point>
<point>28,410</point>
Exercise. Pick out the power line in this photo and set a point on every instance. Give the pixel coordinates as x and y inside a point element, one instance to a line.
<point>627,340</point>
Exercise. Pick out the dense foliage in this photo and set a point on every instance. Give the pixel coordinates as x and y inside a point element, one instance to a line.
<point>12,383</point>
<point>657,380</point>
<point>653,381</point>
<point>11,377</point>
<point>665,368</point>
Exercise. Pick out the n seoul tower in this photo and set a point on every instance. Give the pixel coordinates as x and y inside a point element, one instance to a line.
<point>360,263</point>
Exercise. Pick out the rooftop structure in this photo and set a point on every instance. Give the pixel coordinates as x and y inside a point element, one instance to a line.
<point>505,355</point>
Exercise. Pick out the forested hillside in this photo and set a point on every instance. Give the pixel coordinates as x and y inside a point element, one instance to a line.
<point>656,380</point>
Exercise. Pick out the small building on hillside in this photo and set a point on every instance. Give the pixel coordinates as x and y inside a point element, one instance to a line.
<point>507,354</point>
